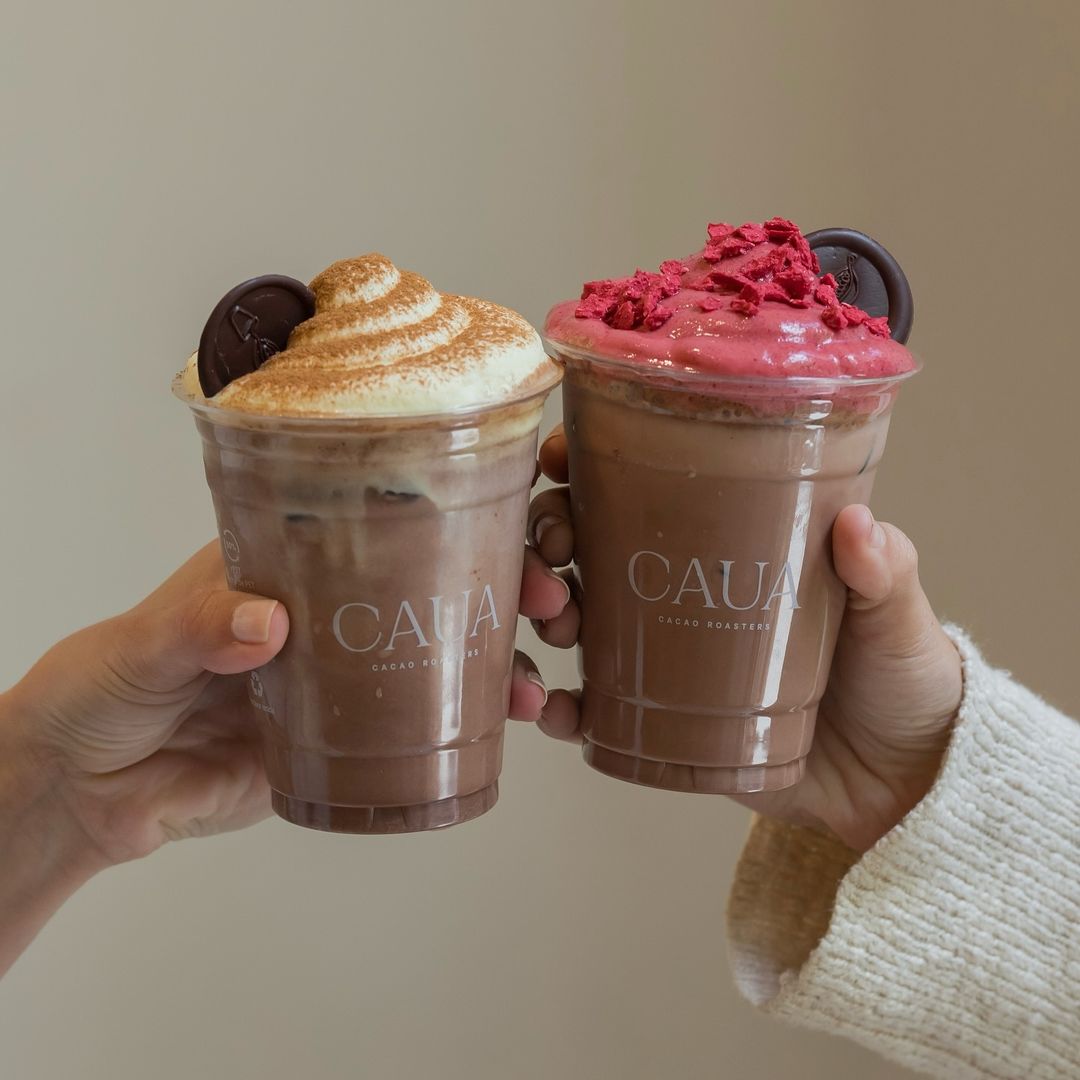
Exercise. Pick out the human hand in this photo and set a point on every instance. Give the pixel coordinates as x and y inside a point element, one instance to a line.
<point>893,691</point>
<point>142,722</point>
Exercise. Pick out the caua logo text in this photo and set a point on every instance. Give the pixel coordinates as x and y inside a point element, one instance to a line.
<point>742,586</point>
<point>360,627</point>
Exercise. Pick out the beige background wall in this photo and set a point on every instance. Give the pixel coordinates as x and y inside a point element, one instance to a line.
<point>159,153</point>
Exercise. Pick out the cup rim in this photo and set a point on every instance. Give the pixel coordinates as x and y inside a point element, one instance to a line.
<point>240,417</point>
<point>680,378</point>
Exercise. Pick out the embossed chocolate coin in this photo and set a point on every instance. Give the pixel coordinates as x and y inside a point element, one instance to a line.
<point>866,276</point>
<point>250,323</point>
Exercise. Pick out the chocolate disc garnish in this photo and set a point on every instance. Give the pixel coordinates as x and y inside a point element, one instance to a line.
<point>250,324</point>
<point>867,276</point>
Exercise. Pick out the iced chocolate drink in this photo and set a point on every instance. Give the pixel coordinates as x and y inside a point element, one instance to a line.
<point>374,476</point>
<point>719,414</point>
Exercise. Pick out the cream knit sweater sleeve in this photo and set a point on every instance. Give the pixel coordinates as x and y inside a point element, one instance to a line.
<point>953,946</point>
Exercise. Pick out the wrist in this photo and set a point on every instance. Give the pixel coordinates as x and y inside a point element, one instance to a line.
<point>45,854</point>
<point>917,773</point>
<point>884,770</point>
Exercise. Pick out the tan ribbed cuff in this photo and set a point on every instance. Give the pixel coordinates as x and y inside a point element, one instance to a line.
<point>953,946</point>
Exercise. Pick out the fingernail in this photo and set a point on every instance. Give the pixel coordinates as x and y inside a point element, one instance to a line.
<point>543,524</point>
<point>251,621</point>
<point>877,536</point>
<point>534,678</point>
<point>564,583</point>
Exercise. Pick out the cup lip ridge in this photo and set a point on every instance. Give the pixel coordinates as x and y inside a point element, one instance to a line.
<point>221,414</point>
<point>688,380</point>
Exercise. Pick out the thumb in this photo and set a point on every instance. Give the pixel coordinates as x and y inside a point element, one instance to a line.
<point>879,565</point>
<point>215,631</point>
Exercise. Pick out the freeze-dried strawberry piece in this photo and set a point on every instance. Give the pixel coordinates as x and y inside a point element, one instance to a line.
<point>796,281</point>
<point>593,306</point>
<point>752,232</point>
<point>770,262</point>
<point>780,229</point>
<point>825,294</point>
<point>770,290</point>
<point>636,284</point>
<point>723,281</point>
<point>632,302</point>
<point>879,326</point>
<point>673,268</point>
<point>805,254</point>
<point>735,245</point>
<point>623,317</point>
<point>833,317</point>
<point>753,292</point>
<point>710,303</point>
<point>720,230</point>
<point>657,317</point>
<point>598,288</point>
<point>744,307</point>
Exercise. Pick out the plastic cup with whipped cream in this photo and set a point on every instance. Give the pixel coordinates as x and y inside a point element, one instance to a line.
<point>374,476</point>
<point>719,415</point>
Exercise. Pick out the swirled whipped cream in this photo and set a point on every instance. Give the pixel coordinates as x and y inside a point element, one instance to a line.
<point>384,341</point>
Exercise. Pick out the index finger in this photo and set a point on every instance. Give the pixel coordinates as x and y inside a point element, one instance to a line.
<point>553,456</point>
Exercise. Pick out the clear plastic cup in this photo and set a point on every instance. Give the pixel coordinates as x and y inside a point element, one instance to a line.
<point>703,509</point>
<point>396,545</point>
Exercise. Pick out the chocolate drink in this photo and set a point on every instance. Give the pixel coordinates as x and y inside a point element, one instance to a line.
<point>397,554</point>
<point>395,543</point>
<point>703,496</point>
<point>703,543</point>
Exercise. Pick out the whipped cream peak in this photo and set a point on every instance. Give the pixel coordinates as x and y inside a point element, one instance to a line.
<point>385,341</point>
<point>363,279</point>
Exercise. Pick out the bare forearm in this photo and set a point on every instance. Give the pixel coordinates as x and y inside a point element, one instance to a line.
<point>44,856</point>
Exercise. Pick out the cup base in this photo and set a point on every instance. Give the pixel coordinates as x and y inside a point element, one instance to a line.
<point>423,817</point>
<point>701,779</point>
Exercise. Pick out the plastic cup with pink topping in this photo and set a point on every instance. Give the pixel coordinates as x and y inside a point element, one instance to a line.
<point>719,415</point>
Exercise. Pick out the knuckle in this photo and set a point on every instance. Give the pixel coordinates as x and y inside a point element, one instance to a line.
<point>539,504</point>
<point>126,637</point>
<point>124,664</point>
<point>907,554</point>
<point>195,618</point>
